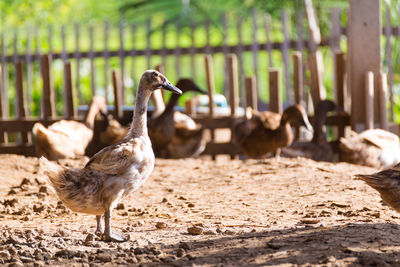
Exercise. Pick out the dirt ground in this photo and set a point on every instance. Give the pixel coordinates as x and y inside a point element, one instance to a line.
<point>198,212</point>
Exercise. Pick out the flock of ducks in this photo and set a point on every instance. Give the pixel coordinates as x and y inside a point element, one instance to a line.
<point>127,159</point>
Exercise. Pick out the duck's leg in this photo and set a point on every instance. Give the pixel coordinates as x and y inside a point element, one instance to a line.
<point>99,229</point>
<point>277,154</point>
<point>108,234</point>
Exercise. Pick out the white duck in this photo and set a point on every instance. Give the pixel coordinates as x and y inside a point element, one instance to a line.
<point>67,138</point>
<point>116,170</point>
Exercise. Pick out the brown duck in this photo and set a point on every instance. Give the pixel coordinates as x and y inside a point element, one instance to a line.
<point>256,137</point>
<point>318,148</point>
<point>115,171</point>
<point>162,128</point>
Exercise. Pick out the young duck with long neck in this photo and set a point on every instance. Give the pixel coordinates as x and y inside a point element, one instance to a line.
<point>51,142</point>
<point>162,128</point>
<point>318,148</point>
<point>115,171</point>
<point>261,139</point>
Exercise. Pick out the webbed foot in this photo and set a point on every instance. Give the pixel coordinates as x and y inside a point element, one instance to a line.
<point>112,237</point>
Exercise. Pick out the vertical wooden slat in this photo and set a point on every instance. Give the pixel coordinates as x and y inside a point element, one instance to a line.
<point>211,90</point>
<point>267,25</point>
<point>106,55</point>
<point>208,46</point>
<point>255,46</point>
<point>148,43</point>
<point>48,105</point>
<point>340,86</point>
<point>251,92</point>
<point>4,88</point>
<point>275,95</point>
<point>318,91</point>
<point>369,100</point>
<point>69,95</point>
<point>15,47</point>
<point>21,108</point>
<point>239,52</point>
<point>91,56</point>
<point>190,107</point>
<point>3,135</point>
<point>164,43</point>
<point>233,83</point>
<point>28,59</point>
<point>118,108</point>
<point>178,50</point>
<point>285,56</point>
<point>388,34</point>
<point>300,31</point>
<point>315,34</point>
<point>50,41</point>
<point>78,61</point>
<point>63,49</point>
<point>383,118</point>
<point>122,59</point>
<point>193,49</point>
<point>336,29</point>
<point>133,50</point>
<point>225,50</point>
<point>298,83</point>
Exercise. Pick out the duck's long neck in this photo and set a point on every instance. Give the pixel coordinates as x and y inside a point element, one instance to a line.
<point>171,104</point>
<point>139,120</point>
<point>91,116</point>
<point>319,132</point>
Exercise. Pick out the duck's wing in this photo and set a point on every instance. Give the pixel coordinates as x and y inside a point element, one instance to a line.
<point>119,158</point>
<point>271,120</point>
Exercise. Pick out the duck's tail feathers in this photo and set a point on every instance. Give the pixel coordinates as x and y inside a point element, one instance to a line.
<point>54,172</point>
<point>38,129</point>
<point>372,180</point>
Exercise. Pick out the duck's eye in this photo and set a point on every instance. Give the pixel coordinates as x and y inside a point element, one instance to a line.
<point>155,74</point>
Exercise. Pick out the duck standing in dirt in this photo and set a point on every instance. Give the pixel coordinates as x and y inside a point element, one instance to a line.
<point>116,170</point>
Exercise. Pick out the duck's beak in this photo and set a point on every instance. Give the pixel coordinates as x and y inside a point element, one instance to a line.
<point>307,124</point>
<point>170,87</point>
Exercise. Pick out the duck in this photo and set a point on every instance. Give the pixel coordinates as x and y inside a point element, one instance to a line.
<point>114,131</point>
<point>115,171</point>
<point>260,135</point>
<point>162,128</point>
<point>318,148</point>
<point>51,142</point>
<point>373,147</point>
<point>387,183</point>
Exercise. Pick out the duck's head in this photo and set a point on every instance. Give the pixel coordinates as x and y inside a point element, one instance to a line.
<point>187,85</point>
<point>325,106</point>
<point>153,80</point>
<point>99,103</point>
<point>297,115</point>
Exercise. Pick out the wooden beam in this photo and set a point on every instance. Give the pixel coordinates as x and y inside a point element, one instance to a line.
<point>118,108</point>
<point>251,92</point>
<point>233,83</point>
<point>364,53</point>
<point>369,100</point>
<point>48,103</point>
<point>275,95</point>
<point>383,97</point>
<point>69,94</point>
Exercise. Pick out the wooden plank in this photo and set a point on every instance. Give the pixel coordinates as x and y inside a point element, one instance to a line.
<point>193,49</point>
<point>318,91</point>
<point>369,100</point>
<point>364,30</point>
<point>190,107</point>
<point>178,50</point>
<point>78,61</point>
<point>69,109</point>
<point>122,60</point>
<point>4,73</point>
<point>148,43</point>
<point>50,41</point>
<point>233,83</point>
<point>48,105</point>
<point>315,34</point>
<point>207,29</point>
<point>3,135</point>
<point>164,43</point>
<point>118,108</point>
<point>267,26</point>
<point>388,50</point>
<point>225,51</point>
<point>275,95</point>
<point>383,88</point>
<point>300,31</point>
<point>221,149</point>
<point>26,150</point>
<point>255,46</point>
<point>336,29</point>
<point>341,94</point>
<point>21,107</point>
<point>15,46</point>
<point>285,57</point>
<point>251,92</point>
<point>211,90</point>
<point>298,77</point>
<point>29,80</point>
<point>63,49</point>
<point>106,30</point>
<point>239,53</point>
<point>91,56</point>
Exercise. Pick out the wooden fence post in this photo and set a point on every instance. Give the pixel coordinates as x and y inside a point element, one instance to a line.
<point>318,91</point>
<point>298,83</point>
<point>190,107</point>
<point>369,100</point>
<point>251,92</point>
<point>69,94</point>
<point>383,88</point>
<point>211,90</point>
<point>3,135</point>
<point>341,88</point>
<point>275,95</point>
<point>118,108</point>
<point>48,102</point>
<point>233,83</point>
<point>22,108</point>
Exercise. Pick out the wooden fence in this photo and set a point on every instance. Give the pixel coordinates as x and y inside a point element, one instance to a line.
<point>235,83</point>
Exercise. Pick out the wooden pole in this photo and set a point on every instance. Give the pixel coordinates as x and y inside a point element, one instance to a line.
<point>233,83</point>
<point>211,90</point>
<point>118,108</point>
<point>318,91</point>
<point>364,53</point>
<point>251,92</point>
<point>69,94</point>
<point>383,96</point>
<point>3,135</point>
<point>341,88</point>
<point>22,108</point>
<point>315,34</point>
<point>298,77</point>
<point>275,96</point>
<point>369,100</point>
<point>48,105</point>
<point>190,107</point>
